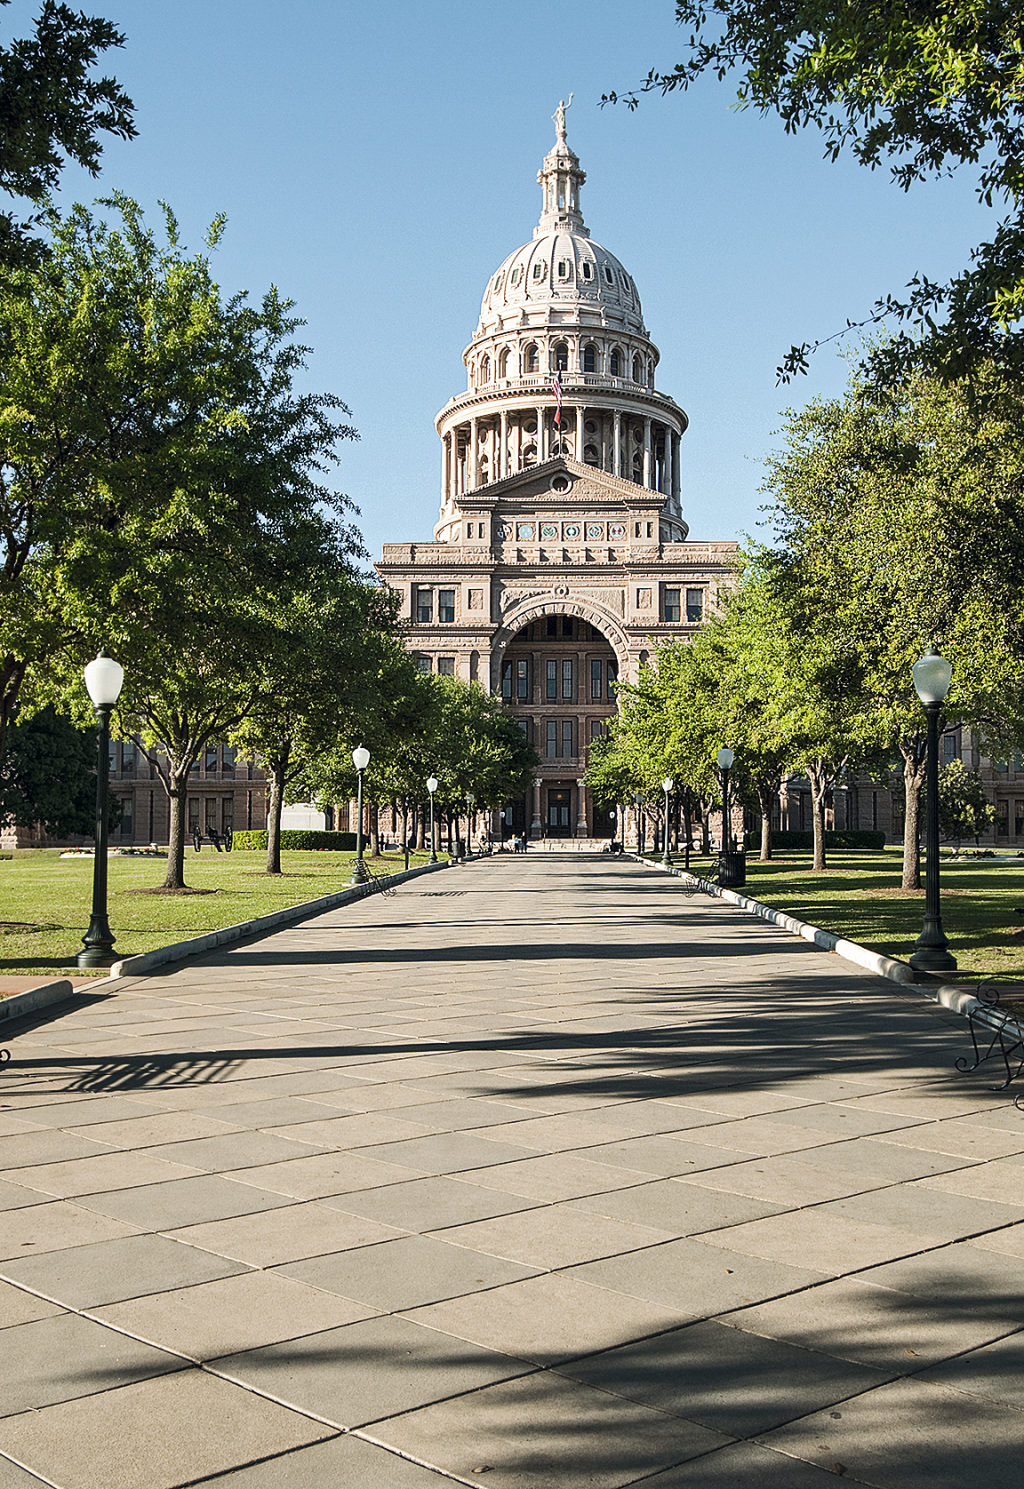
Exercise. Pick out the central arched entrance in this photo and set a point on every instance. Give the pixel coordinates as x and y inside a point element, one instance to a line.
<point>558,675</point>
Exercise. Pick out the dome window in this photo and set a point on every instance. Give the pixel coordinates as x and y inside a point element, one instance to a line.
<point>538,271</point>
<point>615,363</point>
<point>485,370</point>
<point>587,269</point>
<point>638,371</point>
<point>515,276</point>
<point>530,455</point>
<point>590,427</point>
<point>590,455</point>
<point>590,358</point>
<point>531,358</point>
<point>608,275</point>
<point>498,279</point>
<point>564,269</point>
<point>561,357</point>
<point>503,362</point>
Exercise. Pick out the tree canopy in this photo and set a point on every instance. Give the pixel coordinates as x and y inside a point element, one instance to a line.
<point>54,108</point>
<point>929,89</point>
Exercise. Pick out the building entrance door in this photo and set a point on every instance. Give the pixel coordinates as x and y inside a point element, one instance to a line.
<point>559,808</point>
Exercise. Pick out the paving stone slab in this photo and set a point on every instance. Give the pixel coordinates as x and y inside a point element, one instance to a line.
<point>740,1465</point>
<point>898,1437</point>
<point>66,1356</point>
<point>577,1438</point>
<point>430,1204</point>
<point>404,1273</point>
<point>86,1276</point>
<point>341,1461</point>
<point>368,1371</point>
<point>725,1378</point>
<point>133,1438</point>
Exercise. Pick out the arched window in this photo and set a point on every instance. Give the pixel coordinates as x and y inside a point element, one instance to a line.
<point>650,373</point>
<point>637,370</point>
<point>590,455</point>
<point>530,455</point>
<point>615,362</point>
<point>590,357</point>
<point>485,370</point>
<point>608,275</point>
<point>503,362</point>
<point>531,358</point>
<point>561,357</point>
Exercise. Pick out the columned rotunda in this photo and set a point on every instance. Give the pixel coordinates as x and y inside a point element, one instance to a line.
<point>561,554</point>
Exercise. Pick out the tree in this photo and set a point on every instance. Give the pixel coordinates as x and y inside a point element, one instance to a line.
<point>930,88</point>
<point>48,776</point>
<point>157,466</point>
<point>964,809</point>
<point>53,107</point>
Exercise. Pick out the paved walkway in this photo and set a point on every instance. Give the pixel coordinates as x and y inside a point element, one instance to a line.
<point>534,1175</point>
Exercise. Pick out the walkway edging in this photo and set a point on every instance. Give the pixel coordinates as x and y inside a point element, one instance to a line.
<point>950,995</point>
<point>178,951</point>
<point>17,1004</point>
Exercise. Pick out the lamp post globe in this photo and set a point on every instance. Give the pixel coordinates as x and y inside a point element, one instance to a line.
<point>432,787</point>
<point>932,676</point>
<point>103,680</point>
<point>360,759</point>
<point>667,785</point>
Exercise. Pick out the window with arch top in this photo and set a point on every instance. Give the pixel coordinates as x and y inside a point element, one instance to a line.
<point>637,370</point>
<point>615,362</point>
<point>590,357</point>
<point>531,358</point>
<point>485,370</point>
<point>561,357</point>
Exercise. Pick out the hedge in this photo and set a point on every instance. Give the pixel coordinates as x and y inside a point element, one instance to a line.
<point>853,838</point>
<point>303,838</point>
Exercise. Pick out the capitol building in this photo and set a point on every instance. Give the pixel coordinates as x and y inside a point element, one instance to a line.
<point>561,555</point>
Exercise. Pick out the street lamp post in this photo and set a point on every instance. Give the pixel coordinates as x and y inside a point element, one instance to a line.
<point>639,802</point>
<point>725,759</point>
<point>932,676</point>
<point>581,814</point>
<point>432,787</point>
<point>470,820</point>
<point>103,680</point>
<point>667,784</point>
<point>360,759</point>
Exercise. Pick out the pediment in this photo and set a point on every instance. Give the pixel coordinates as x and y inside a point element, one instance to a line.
<point>540,485</point>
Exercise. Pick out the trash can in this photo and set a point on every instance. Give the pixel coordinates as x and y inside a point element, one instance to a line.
<point>732,870</point>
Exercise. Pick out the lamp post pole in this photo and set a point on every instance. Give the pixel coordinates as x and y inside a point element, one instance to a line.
<point>666,858</point>
<point>470,821</point>
<point>360,759</point>
<point>103,679</point>
<point>432,787</point>
<point>932,676</point>
<point>639,802</point>
<point>581,813</point>
<point>725,759</point>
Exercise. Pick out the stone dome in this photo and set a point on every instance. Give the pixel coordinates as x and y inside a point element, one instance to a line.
<point>561,269</point>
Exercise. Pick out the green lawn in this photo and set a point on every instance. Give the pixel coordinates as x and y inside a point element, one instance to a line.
<point>53,896</point>
<point>859,897</point>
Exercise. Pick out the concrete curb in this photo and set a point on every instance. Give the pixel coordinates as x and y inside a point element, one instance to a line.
<point>138,966</point>
<point>951,995</point>
<point>32,998</point>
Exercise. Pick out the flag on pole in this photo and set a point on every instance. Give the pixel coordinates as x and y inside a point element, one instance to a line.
<point>558,400</point>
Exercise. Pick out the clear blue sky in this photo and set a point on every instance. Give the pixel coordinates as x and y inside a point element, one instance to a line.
<point>378,161</point>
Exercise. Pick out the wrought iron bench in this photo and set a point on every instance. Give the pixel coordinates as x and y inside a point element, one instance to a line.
<point>996,1031</point>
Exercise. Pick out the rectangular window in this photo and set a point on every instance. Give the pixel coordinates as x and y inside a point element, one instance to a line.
<point>694,605</point>
<point>128,757</point>
<point>506,682</point>
<point>567,627</point>
<point>524,725</point>
<point>1018,761</point>
<point>670,605</point>
<point>597,729</point>
<point>446,606</point>
<point>127,818</point>
<point>1002,819</point>
<point>567,748</point>
<point>613,678</point>
<point>227,815</point>
<point>228,757</point>
<point>424,606</point>
<point>1002,766</point>
<point>1018,819</point>
<point>523,680</point>
<point>424,664</point>
<point>446,666</point>
<point>596,680</point>
<point>551,689</point>
<point>567,688</point>
<point>899,812</point>
<point>211,814</point>
<point>551,749</point>
<point>193,813</point>
<point>552,625</point>
<point>112,756</point>
<point>211,760</point>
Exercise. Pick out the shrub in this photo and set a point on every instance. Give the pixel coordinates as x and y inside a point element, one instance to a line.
<point>866,838</point>
<point>302,838</point>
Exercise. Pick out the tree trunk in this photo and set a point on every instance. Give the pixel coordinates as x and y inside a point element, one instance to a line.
<point>705,827</point>
<point>765,801</point>
<point>819,789</point>
<point>176,787</point>
<point>913,776</point>
<point>421,829</point>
